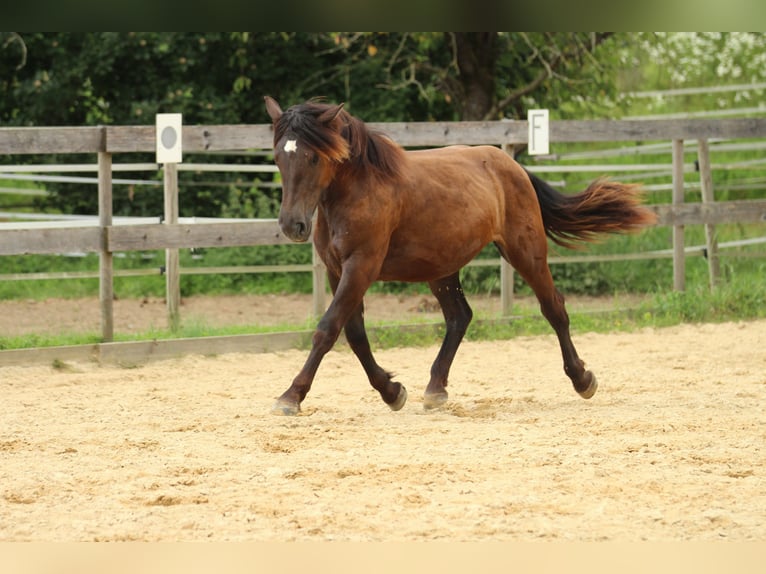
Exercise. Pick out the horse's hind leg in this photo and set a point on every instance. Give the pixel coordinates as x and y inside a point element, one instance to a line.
<point>393,394</point>
<point>531,263</point>
<point>457,315</point>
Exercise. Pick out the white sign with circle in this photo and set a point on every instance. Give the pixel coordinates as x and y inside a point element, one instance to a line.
<point>169,138</point>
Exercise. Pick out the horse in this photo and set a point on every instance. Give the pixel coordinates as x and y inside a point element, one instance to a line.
<point>387,214</point>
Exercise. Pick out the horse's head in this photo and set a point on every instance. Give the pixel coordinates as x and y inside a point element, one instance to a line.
<point>308,148</point>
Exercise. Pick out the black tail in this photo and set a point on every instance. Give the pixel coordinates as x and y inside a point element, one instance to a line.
<point>604,207</point>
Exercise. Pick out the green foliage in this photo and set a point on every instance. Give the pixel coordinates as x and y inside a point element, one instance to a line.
<point>664,60</point>
<point>295,282</point>
<point>154,285</point>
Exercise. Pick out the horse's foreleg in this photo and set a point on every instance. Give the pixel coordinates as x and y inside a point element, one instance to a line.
<point>393,394</point>
<point>457,315</point>
<point>325,335</point>
<point>349,292</point>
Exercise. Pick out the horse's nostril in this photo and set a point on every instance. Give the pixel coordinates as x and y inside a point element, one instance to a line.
<point>297,230</point>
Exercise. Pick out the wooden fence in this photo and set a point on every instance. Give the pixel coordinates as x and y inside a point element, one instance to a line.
<point>107,237</point>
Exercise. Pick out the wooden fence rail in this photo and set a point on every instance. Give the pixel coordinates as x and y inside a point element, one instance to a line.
<point>107,237</point>
<point>125,139</point>
<point>153,236</point>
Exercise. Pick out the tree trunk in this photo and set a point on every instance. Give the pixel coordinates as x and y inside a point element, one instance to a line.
<point>476,55</point>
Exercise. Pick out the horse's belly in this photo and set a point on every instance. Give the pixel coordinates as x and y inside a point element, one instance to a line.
<point>416,265</point>
<point>415,272</point>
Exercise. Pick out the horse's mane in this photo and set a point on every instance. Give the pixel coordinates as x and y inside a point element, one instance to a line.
<point>345,139</point>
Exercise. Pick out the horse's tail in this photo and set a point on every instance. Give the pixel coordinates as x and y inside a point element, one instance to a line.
<point>604,207</point>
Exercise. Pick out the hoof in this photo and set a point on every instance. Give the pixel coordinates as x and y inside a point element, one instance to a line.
<point>433,401</point>
<point>592,387</point>
<point>285,409</point>
<point>400,400</point>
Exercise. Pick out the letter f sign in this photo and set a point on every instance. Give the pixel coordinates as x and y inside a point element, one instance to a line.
<point>538,132</point>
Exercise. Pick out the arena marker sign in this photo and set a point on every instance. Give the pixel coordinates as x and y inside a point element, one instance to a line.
<point>538,143</point>
<point>169,138</point>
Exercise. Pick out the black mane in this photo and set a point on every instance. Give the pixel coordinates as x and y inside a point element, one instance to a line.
<point>345,139</point>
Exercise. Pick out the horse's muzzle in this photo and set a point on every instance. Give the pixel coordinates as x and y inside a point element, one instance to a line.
<point>298,231</point>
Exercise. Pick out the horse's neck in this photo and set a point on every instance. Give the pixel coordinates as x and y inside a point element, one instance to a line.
<point>358,185</point>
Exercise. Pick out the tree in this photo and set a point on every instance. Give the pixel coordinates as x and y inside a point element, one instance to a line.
<point>126,77</point>
<point>465,76</point>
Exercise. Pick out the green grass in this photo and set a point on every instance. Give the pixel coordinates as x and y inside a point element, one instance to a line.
<point>189,329</point>
<point>729,302</point>
<point>30,341</point>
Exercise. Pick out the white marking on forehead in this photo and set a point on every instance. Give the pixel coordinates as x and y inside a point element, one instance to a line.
<point>291,145</point>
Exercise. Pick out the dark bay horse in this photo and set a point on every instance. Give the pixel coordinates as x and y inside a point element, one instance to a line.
<point>384,213</point>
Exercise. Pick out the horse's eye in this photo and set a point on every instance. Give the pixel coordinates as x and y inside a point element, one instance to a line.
<point>314,159</point>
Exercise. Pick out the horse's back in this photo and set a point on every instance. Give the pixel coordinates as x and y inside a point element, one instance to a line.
<point>467,167</point>
<point>454,202</point>
<point>472,181</point>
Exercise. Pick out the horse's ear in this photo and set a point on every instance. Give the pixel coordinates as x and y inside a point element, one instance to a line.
<point>328,116</point>
<point>273,108</point>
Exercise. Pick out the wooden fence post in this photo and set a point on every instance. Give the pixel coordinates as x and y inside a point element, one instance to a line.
<point>708,197</point>
<point>106,263</point>
<point>172,270</point>
<point>679,255</point>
